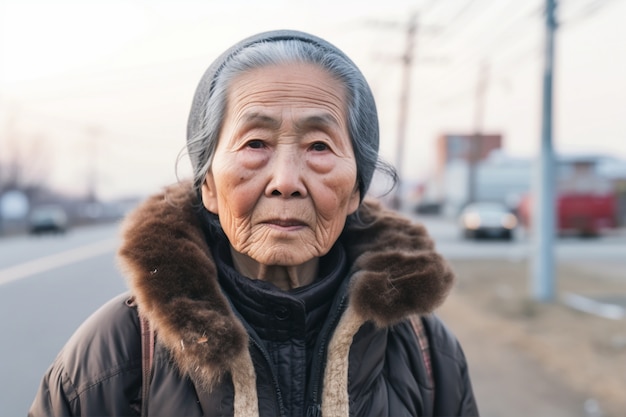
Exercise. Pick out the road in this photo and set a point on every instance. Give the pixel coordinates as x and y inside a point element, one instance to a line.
<point>50,284</point>
<point>607,252</point>
<point>449,242</point>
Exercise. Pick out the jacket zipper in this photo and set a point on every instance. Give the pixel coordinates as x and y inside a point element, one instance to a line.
<point>315,407</point>
<point>279,396</point>
<point>253,339</point>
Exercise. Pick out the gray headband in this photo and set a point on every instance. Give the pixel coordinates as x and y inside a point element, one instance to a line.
<point>367,132</point>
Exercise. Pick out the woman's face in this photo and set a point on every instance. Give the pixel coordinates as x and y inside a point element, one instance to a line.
<point>283,178</point>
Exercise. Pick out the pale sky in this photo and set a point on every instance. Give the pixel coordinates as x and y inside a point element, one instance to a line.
<point>105,87</point>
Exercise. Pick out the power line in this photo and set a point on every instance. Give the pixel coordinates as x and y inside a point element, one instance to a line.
<point>584,13</point>
<point>452,27</point>
<point>524,57</point>
<point>477,29</point>
<point>462,11</point>
<point>502,72</point>
<point>499,40</point>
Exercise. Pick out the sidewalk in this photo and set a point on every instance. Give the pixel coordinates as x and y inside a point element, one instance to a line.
<point>531,359</point>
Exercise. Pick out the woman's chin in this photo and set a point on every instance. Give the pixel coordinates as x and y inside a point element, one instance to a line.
<point>285,257</point>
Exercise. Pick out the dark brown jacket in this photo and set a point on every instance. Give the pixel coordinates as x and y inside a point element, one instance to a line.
<point>207,363</point>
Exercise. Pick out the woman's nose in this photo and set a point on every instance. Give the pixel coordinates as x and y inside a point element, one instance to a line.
<point>286,172</point>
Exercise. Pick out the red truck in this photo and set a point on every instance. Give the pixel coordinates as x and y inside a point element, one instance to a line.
<point>586,204</point>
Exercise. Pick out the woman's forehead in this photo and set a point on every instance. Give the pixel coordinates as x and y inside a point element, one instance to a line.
<point>264,94</point>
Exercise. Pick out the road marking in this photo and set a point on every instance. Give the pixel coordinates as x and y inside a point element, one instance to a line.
<point>57,260</point>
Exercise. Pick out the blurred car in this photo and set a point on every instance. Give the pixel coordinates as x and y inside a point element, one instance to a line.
<point>487,219</point>
<point>48,219</point>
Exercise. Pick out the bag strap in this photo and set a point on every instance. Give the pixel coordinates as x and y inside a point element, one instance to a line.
<point>147,355</point>
<point>424,346</point>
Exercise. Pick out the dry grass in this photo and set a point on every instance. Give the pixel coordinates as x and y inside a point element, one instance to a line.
<point>587,352</point>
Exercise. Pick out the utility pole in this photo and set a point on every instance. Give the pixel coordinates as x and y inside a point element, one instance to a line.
<point>94,133</point>
<point>543,282</point>
<point>407,61</point>
<point>476,142</point>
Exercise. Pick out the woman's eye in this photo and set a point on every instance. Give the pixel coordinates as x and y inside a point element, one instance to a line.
<point>319,146</point>
<point>255,144</point>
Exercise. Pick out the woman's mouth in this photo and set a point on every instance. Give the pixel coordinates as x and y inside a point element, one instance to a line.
<point>286,223</point>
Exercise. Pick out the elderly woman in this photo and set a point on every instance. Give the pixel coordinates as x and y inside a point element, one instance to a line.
<point>268,286</point>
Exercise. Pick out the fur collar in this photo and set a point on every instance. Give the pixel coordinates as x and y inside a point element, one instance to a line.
<point>168,264</point>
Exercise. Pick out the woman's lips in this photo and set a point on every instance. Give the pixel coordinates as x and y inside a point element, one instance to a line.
<point>286,223</point>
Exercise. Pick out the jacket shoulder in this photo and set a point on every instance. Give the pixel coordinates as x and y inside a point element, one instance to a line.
<point>441,339</point>
<point>98,371</point>
<point>106,343</point>
<point>453,388</point>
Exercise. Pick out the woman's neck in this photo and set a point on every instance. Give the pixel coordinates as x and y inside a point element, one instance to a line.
<point>284,277</point>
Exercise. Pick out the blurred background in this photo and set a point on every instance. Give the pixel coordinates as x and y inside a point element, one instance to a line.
<point>94,98</point>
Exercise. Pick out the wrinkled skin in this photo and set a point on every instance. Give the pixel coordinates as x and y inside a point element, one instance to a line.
<point>283,179</point>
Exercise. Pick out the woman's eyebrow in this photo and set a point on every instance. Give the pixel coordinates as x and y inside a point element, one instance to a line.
<point>318,121</point>
<point>314,121</point>
<point>260,119</point>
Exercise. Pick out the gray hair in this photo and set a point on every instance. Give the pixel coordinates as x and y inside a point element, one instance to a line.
<point>275,48</point>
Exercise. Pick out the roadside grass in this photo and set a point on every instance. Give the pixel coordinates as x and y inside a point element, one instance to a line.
<point>587,352</point>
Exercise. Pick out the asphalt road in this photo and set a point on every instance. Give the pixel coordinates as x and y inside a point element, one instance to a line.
<point>607,251</point>
<point>50,284</point>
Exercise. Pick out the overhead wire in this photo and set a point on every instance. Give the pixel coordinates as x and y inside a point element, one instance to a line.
<point>527,55</point>
<point>516,26</point>
<point>499,37</point>
<point>588,9</point>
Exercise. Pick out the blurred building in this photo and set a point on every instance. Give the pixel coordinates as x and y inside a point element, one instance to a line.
<point>463,147</point>
<point>475,168</point>
<point>498,177</point>
<point>458,171</point>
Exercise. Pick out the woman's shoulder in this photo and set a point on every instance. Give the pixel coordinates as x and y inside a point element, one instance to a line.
<point>115,319</point>
<point>98,371</point>
<point>454,392</point>
<point>441,338</point>
<point>106,343</point>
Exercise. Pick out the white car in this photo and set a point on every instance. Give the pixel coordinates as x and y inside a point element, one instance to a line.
<point>488,220</point>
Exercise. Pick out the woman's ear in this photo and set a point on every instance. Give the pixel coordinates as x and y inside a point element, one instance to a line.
<point>209,193</point>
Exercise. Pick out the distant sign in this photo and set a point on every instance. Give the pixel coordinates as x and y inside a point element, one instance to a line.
<point>14,205</point>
